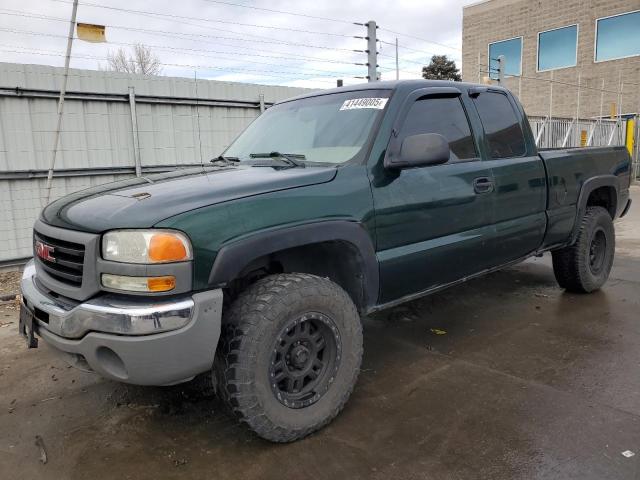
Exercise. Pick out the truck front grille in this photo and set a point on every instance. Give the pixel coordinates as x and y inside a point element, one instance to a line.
<point>65,262</point>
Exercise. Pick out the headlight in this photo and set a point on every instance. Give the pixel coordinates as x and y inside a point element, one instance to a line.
<point>146,246</point>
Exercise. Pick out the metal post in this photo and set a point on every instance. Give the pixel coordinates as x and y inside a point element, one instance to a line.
<point>578,112</point>
<point>261,97</point>
<point>601,99</point>
<point>501,65</point>
<point>479,68</point>
<point>372,51</point>
<point>134,131</point>
<point>397,66</point>
<point>63,90</point>
<point>598,123</point>
<point>619,93</point>
<point>551,96</point>
<point>636,170</point>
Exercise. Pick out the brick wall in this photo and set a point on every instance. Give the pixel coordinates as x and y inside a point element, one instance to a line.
<point>496,20</point>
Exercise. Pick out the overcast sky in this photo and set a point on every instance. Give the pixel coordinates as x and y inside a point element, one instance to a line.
<point>235,40</point>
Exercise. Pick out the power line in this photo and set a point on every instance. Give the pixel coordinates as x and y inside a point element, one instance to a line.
<point>150,15</point>
<point>420,38</point>
<point>160,47</point>
<point>559,82</point>
<point>426,52</point>
<point>191,51</point>
<point>267,73</point>
<point>405,47</point>
<point>220,2</point>
<point>228,22</point>
<point>180,35</point>
<point>280,43</point>
<point>328,19</point>
<point>415,62</point>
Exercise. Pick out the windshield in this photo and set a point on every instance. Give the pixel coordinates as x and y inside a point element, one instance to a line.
<point>326,129</point>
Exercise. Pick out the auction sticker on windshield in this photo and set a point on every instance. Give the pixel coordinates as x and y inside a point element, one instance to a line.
<point>354,103</point>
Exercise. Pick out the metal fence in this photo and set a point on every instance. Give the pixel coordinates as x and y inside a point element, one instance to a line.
<point>567,133</point>
<point>115,126</point>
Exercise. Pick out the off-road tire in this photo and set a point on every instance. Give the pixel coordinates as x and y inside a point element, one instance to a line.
<point>250,330</point>
<point>573,265</point>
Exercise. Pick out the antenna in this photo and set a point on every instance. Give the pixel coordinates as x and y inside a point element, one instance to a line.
<point>195,79</point>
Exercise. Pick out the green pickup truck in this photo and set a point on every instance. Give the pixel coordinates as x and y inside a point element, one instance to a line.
<point>256,268</point>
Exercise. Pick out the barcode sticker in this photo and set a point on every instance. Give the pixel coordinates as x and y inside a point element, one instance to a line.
<point>354,103</point>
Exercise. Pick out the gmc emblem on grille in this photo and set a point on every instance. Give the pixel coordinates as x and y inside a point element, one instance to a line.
<point>45,251</point>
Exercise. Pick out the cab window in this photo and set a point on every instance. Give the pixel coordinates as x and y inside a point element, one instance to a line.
<point>502,129</point>
<point>446,116</point>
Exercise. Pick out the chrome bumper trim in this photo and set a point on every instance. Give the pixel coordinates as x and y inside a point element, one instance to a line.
<point>108,313</point>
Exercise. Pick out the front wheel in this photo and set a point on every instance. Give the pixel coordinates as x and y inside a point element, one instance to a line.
<point>289,355</point>
<point>585,266</point>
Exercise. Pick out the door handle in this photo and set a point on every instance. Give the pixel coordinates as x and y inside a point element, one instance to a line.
<point>483,185</point>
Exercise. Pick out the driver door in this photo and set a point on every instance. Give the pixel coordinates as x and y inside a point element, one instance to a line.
<point>433,222</point>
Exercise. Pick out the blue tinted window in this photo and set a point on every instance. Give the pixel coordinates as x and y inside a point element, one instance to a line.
<point>618,36</point>
<point>557,48</point>
<point>512,51</point>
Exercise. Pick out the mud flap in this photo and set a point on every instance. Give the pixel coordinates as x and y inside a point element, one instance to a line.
<point>25,327</point>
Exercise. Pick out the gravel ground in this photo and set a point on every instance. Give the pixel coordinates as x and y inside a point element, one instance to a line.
<point>9,283</point>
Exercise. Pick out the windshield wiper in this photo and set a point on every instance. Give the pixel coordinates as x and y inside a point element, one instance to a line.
<point>290,158</point>
<point>225,160</point>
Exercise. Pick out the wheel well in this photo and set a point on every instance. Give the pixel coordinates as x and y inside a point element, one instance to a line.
<point>604,197</point>
<point>338,260</point>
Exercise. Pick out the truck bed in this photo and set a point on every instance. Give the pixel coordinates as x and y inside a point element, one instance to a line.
<point>567,172</point>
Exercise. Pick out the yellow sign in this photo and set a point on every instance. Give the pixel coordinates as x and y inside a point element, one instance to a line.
<point>631,128</point>
<point>91,33</point>
<point>583,138</point>
<point>614,110</point>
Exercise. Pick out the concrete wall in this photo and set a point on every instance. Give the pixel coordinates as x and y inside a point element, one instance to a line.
<point>496,20</point>
<point>97,142</point>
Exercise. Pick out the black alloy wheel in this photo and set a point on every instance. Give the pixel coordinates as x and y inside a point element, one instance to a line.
<point>304,360</point>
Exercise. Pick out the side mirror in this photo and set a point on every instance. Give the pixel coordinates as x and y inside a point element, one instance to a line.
<point>421,150</point>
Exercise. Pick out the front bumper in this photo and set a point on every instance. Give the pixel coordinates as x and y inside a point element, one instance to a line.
<point>143,342</point>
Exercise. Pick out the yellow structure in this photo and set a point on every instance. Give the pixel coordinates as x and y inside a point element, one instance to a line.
<point>630,135</point>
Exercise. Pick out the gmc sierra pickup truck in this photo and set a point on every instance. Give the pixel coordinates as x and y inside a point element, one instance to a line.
<point>255,268</point>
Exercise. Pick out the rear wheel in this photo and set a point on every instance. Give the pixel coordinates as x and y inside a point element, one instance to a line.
<point>289,355</point>
<point>585,265</point>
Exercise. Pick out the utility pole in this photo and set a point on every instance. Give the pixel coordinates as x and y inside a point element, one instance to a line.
<point>63,90</point>
<point>372,51</point>
<point>397,67</point>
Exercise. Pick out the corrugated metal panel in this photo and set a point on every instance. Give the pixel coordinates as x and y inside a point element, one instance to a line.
<point>20,204</point>
<point>97,133</point>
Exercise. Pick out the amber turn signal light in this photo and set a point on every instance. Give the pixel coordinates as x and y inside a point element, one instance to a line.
<point>161,284</point>
<point>166,247</point>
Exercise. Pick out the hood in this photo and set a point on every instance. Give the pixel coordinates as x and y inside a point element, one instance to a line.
<point>143,202</point>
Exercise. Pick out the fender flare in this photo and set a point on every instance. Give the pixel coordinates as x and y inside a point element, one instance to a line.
<point>587,188</point>
<point>233,257</point>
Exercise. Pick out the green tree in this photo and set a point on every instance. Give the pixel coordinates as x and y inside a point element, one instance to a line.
<point>441,68</point>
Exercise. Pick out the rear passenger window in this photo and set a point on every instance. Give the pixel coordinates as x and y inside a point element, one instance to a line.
<point>446,117</point>
<point>501,125</point>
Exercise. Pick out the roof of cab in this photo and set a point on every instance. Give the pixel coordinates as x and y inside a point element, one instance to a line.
<point>406,85</point>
